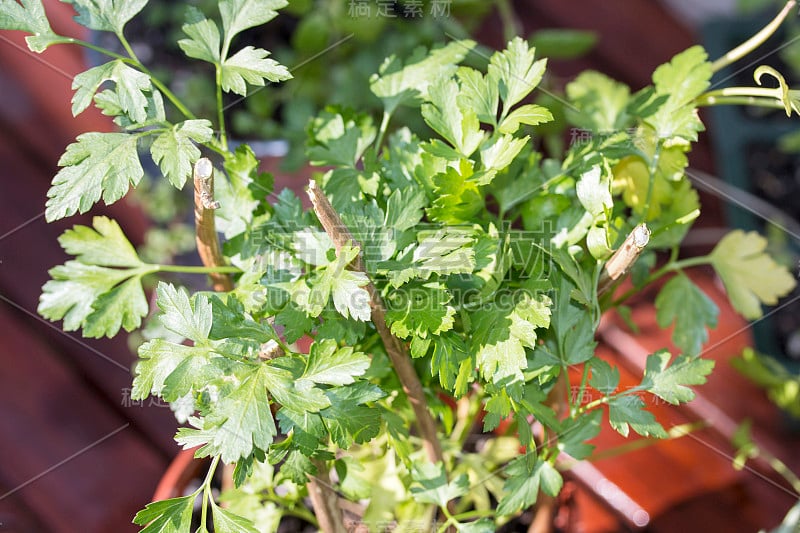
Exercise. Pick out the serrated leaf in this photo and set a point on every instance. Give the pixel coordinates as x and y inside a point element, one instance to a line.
<point>404,208</point>
<point>329,364</point>
<point>460,127</point>
<point>29,17</point>
<point>339,138</point>
<point>521,488</point>
<point>106,15</point>
<point>670,382</point>
<point>457,200</point>
<point>498,155</point>
<point>576,432</point>
<point>682,302</point>
<point>189,318</point>
<point>501,334</point>
<point>683,79</point>
<point>131,87</point>
<point>599,102</point>
<point>443,252</point>
<point>104,244</point>
<point>72,290</point>
<point>430,484</point>
<point>239,15</point>
<point>174,150</point>
<point>626,412</point>
<point>242,420</point>
<point>346,286</point>
<point>98,164</point>
<point>750,276</point>
<point>478,93</point>
<point>295,322</point>
<point>158,360</point>
<point>419,310</point>
<point>284,388</point>
<point>348,419</point>
<point>123,306</point>
<point>87,294</point>
<point>167,516</point>
<point>228,522</point>
<point>398,83</point>
<point>250,65</point>
<point>605,378</point>
<point>529,114</point>
<point>449,354</point>
<point>516,72</point>
<point>203,42</point>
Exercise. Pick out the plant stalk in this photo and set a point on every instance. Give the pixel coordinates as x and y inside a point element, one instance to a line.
<point>755,41</point>
<point>324,500</point>
<point>397,351</point>
<point>205,228</point>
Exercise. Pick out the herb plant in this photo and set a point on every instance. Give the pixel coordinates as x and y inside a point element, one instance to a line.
<point>450,284</point>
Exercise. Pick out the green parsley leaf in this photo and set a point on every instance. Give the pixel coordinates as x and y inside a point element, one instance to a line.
<point>228,522</point>
<point>479,93</point>
<point>131,88</point>
<point>525,475</point>
<point>295,322</point>
<point>239,15</point>
<point>625,412</point>
<point>419,309</point>
<point>339,138</point>
<point>189,318</point>
<point>682,302</point>
<point>576,432</point>
<point>167,516</point>
<point>516,72</point>
<point>500,336</point>
<point>174,150</point>
<point>529,114</point>
<point>98,164</point>
<point>329,364</point>
<point>88,293</point>
<point>442,112</point>
<point>106,15</point>
<point>670,382</point>
<point>683,79</point>
<point>398,84</point>
<point>599,103</point>
<point>31,18</point>
<point>250,65</point>
<point>159,360</point>
<point>241,420</point>
<point>404,208</point>
<point>203,41</point>
<point>430,484</point>
<point>735,258</point>
<point>456,199</point>
<point>103,244</point>
<point>348,419</point>
<point>605,378</point>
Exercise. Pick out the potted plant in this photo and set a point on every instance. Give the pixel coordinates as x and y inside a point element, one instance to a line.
<point>448,283</point>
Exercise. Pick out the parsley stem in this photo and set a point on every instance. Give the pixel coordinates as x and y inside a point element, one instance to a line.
<point>382,132</point>
<point>755,41</point>
<point>705,100</point>
<point>184,269</point>
<point>207,490</point>
<point>223,137</point>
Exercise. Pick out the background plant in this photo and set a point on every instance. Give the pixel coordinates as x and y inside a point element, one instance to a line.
<point>462,247</point>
